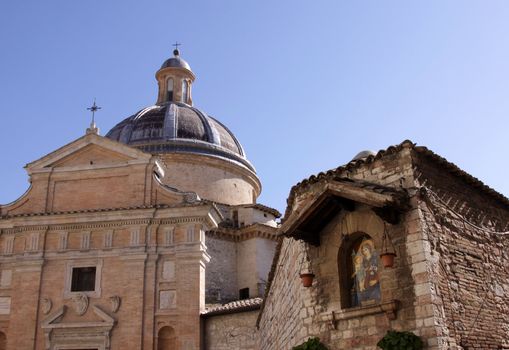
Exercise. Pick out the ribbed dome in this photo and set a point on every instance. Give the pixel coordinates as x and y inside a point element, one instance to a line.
<point>175,62</point>
<point>177,127</point>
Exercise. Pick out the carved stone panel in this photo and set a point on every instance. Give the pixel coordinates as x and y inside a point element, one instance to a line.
<point>190,233</point>
<point>167,299</point>
<point>9,244</point>
<point>169,270</point>
<point>135,237</point>
<point>85,241</point>
<point>5,278</point>
<point>108,239</point>
<point>169,235</point>
<point>62,241</point>
<point>5,305</point>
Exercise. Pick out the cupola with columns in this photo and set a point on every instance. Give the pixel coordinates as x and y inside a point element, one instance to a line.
<point>175,79</point>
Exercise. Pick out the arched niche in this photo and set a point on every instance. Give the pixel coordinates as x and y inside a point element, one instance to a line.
<point>169,89</point>
<point>166,338</point>
<point>359,271</point>
<point>3,341</point>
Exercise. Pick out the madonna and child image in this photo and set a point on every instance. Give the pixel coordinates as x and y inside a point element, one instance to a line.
<point>366,284</point>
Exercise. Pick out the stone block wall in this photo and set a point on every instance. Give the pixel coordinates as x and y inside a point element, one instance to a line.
<point>293,313</point>
<point>469,261</point>
<point>451,277</point>
<point>231,331</point>
<point>288,304</point>
<point>221,272</point>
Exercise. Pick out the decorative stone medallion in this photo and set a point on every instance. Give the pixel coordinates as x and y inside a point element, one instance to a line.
<point>115,303</point>
<point>80,303</point>
<point>46,305</point>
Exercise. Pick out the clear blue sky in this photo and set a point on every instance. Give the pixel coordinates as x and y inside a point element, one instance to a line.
<point>304,85</point>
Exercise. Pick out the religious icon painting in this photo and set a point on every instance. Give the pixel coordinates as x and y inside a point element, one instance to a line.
<point>365,277</point>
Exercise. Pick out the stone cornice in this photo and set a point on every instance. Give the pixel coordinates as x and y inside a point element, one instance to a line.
<point>90,167</point>
<point>245,233</point>
<point>105,210</point>
<point>107,224</point>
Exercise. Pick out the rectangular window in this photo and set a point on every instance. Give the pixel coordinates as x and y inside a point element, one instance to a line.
<point>83,279</point>
<point>244,293</point>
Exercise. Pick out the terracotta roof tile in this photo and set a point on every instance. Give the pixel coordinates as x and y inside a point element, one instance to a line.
<point>354,164</point>
<point>234,306</point>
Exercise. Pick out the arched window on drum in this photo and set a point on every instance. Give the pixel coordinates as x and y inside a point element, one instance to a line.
<point>169,89</point>
<point>185,87</point>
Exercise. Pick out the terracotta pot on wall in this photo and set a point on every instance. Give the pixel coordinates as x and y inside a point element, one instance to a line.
<point>307,279</point>
<point>387,259</point>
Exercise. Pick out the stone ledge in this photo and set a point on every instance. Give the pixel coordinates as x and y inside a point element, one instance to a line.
<point>388,307</point>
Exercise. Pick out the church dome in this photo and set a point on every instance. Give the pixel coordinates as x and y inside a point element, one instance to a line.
<point>175,62</point>
<point>175,127</point>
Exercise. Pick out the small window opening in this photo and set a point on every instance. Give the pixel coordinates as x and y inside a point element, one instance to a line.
<point>83,279</point>
<point>184,91</point>
<point>235,218</point>
<point>244,293</point>
<point>169,89</point>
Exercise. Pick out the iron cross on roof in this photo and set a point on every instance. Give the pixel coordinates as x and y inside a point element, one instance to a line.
<point>177,44</point>
<point>93,109</point>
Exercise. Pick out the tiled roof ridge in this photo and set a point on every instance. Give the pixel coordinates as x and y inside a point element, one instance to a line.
<point>235,306</point>
<point>354,164</point>
<point>264,208</point>
<point>259,206</point>
<point>457,171</point>
<point>243,229</point>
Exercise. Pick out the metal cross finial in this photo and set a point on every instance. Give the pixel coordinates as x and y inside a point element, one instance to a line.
<point>177,44</point>
<point>93,109</point>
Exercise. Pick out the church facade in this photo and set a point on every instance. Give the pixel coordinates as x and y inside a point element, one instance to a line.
<point>151,237</point>
<point>122,240</point>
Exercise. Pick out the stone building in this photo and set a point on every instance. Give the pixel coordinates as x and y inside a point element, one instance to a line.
<point>121,240</point>
<point>151,238</point>
<point>450,280</point>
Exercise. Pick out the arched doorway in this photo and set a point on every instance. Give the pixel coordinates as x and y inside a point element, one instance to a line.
<point>166,338</point>
<point>3,341</point>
